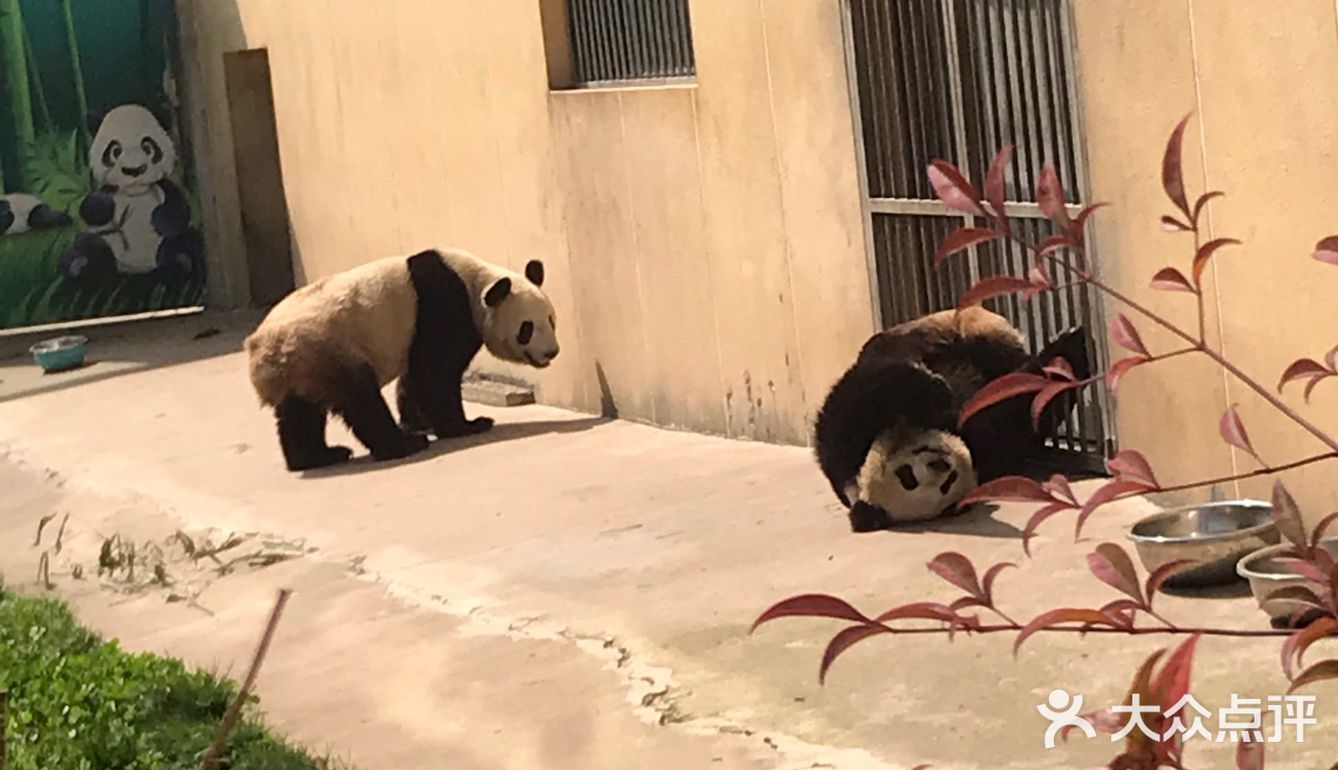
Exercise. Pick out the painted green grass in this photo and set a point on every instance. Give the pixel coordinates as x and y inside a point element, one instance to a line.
<point>77,702</point>
<point>32,290</point>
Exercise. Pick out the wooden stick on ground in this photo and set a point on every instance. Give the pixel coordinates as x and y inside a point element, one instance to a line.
<point>215,751</point>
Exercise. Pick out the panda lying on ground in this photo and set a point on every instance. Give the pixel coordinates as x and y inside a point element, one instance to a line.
<point>887,437</point>
<point>20,212</point>
<point>332,345</point>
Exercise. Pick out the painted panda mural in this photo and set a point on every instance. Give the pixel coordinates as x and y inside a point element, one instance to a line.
<point>887,439</point>
<point>139,221</point>
<point>331,346</point>
<point>21,213</point>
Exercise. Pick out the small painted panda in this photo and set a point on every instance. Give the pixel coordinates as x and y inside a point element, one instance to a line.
<point>20,212</point>
<point>887,438</point>
<point>332,345</point>
<point>139,221</point>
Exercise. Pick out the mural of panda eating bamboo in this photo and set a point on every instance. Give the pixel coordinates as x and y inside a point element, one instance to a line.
<point>139,221</point>
<point>887,436</point>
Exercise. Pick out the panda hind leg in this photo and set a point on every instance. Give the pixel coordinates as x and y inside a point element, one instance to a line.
<point>302,436</point>
<point>362,406</point>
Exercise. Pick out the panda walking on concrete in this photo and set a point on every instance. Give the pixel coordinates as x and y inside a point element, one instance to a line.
<point>887,439</point>
<point>331,346</point>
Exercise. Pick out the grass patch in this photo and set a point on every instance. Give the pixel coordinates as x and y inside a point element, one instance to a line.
<point>78,702</point>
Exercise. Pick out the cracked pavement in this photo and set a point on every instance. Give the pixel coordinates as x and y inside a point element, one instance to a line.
<point>563,592</point>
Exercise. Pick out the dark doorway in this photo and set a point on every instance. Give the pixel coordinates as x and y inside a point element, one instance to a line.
<point>255,146</point>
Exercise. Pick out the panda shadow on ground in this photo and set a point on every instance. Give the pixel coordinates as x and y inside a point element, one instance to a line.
<point>976,521</point>
<point>507,431</point>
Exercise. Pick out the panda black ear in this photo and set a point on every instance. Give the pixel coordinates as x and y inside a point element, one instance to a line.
<point>534,271</point>
<point>94,120</point>
<point>500,290</point>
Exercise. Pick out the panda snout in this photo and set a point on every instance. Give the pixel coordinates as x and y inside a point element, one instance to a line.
<point>134,171</point>
<point>549,355</point>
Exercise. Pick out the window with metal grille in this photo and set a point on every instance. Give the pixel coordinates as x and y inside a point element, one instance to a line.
<point>615,41</point>
<point>959,80</point>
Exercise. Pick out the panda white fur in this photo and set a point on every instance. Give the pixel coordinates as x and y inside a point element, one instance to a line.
<point>138,219</point>
<point>20,213</point>
<point>887,437</point>
<point>331,346</point>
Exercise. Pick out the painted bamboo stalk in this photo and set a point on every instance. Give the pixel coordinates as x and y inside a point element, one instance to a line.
<point>80,96</point>
<point>39,91</point>
<point>14,70</point>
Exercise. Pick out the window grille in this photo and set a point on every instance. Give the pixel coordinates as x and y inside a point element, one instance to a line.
<point>959,80</point>
<point>627,40</point>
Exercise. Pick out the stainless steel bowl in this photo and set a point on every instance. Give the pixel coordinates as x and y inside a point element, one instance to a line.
<point>1267,577</point>
<point>1215,535</point>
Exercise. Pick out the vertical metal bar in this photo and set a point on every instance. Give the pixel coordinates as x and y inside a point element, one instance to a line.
<point>867,68</point>
<point>660,63</point>
<point>855,78</point>
<point>955,50</point>
<point>887,95</point>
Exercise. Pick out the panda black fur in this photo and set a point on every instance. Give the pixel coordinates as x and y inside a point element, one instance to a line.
<point>20,212</point>
<point>887,438</point>
<point>331,346</point>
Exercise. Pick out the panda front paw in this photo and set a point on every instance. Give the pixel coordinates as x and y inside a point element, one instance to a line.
<point>98,209</point>
<point>408,445</point>
<point>89,259</point>
<point>868,518</point>
<point>478,425</point>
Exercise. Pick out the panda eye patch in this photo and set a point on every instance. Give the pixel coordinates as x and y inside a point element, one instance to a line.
<point>940,465</point>
<point>112,154</point>
<point>526,332</point>
<point>152,149</point>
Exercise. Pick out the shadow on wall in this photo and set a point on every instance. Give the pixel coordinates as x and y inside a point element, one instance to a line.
<point>607,407</point>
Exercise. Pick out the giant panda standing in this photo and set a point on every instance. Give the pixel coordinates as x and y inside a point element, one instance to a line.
<point>331,346</point>
<point>887,439</point>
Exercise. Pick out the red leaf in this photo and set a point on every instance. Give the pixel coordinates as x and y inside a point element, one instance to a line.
<point>920,610</point>
<point>1001,389</point>
<point>1233,432</point>
<point>1310,386</point>
<point>1327,250</point>
<point>1201,202</point>
<point>1105,494</point>
<point>1044,397</point>
<point>1112,566</point>
<point>1050,197</point>
<point>1173,225</point>
<point>994,182</point>
<point>1170,279</point>
<point>1301,369</point>
<point>1037,518</point>
<point>1293,650</point>
<point>1058,616</point>
<point>1303,568</point>
<point>1161,574</point>
<point>1250,756</point>
<point>844,640</point>
<point>1060,368</point>
<point>989,288</point>
<point>1059,489</point>
<point>1038,277</point>
<point>1329,360</point>
<point>1080,221</point>
<point>1204,254</point>
<point>958,570</point>
<point>1104,721</point>
<point>1287,515</point>
<point>964,238</point>
<point>812,606</point>
<point>966,601</point>
<point>1122,330</point>
<point>1053,243</point>
<point>1172,179</point>
<point>1320,672</point>
<point>1131,465</point>
<point>1172,683</point>
<point>1017,489</point>
<point>1121,368</point>
<point>1317,534</point>
<point>953,189</point>
<point>991,575</point>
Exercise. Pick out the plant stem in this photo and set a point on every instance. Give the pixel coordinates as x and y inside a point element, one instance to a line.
<point>1173,630</point>
<point>80,97</point>
<point>215,752</point>
<point>1267,471</point>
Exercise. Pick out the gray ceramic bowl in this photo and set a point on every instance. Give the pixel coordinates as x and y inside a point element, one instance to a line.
<point>1215,535</point>
<point>1266,577</point>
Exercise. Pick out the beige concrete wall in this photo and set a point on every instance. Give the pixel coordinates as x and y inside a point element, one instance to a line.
<point>704,242</point>
<point>1263,87</point>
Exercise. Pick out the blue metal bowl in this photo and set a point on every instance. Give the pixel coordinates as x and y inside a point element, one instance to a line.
<point>59,354</point>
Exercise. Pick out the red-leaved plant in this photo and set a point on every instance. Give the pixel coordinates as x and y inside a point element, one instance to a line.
<point>1132,612</point>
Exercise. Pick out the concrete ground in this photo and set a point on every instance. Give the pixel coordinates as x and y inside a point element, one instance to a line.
<point>563,592</point>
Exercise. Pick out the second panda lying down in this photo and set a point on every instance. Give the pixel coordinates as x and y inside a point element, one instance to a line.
<point>887,439</point>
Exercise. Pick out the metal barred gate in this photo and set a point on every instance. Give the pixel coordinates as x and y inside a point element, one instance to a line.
<point>959,80</point>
